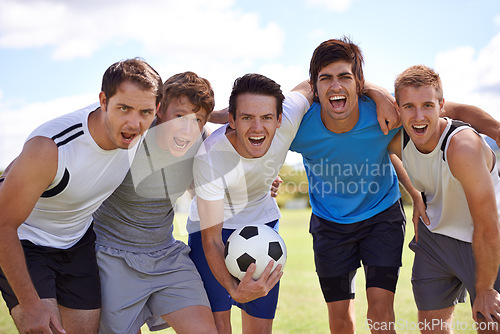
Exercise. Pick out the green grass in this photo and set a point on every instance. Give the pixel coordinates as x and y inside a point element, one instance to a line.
<point>301,308</point>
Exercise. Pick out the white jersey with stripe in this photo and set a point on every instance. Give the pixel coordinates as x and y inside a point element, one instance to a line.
<point>445,199</point>
<point>86,176</point>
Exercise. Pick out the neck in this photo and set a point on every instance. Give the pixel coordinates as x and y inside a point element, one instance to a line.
<point>341,125</point>
<point>231,136</point>
<point>96,125</point>
<point>431,144</point>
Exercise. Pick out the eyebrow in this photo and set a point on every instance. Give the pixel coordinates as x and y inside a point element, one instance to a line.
<point>130,107</point>
<point>327,75</point>
<point>252,115</point>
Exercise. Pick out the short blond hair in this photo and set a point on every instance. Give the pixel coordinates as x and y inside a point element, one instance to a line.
<point>418,76</point>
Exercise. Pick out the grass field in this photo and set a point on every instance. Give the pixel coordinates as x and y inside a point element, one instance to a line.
<point>301,307</point>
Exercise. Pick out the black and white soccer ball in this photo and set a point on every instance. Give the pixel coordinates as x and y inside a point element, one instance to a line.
<point>257,244</point>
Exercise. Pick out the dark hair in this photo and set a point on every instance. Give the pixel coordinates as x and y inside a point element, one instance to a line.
<point>334,50</point>
<point>197,89</point>
<point>135,70</point>
<point>256,84</point>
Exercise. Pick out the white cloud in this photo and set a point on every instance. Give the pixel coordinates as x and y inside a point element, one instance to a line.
<point>497,20</point>
<point>471,76</point>
<point>338,6</point>
<point>179,29</point>
<point>18,122</point>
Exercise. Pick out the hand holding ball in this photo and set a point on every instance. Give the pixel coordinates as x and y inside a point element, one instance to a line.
<point>257,244</point>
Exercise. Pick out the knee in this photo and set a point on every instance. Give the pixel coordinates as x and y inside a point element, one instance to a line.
<point>382,311</point>
<point>222,326</point>
<point>344,325</point>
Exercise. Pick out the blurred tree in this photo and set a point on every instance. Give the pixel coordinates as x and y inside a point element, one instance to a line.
<point>294,186</point>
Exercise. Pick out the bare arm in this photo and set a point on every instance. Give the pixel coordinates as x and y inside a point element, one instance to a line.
<point>305,89</point>
<point>418,203</point>
<point>211,215</point>
<point>470,162</point>
<point>8,167</point>
<point>387,115</point>
<point>27,178</point>
<point>219,116</point>
<point>478,118</point>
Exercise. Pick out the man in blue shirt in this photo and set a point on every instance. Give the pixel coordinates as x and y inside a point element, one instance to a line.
<point>353,188</point>
<point>357,214</point>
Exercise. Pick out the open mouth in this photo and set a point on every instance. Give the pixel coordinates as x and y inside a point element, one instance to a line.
<point>419,129</point>
<point>128,137</point>
<point>257,140</point>
<point>180,143</point>
<point>338,101</point>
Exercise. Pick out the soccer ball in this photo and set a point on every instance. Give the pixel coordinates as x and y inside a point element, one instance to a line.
<point>257,244</point>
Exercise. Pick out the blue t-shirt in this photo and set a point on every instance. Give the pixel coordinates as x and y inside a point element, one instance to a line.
<point>350,175</point>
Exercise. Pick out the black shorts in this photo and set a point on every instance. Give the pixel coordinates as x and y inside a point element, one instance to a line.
<point>71,276</point>
<point>377,242</point>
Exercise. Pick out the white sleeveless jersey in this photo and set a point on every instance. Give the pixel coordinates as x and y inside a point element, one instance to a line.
<point>86,176</point>
<point>443,194</point>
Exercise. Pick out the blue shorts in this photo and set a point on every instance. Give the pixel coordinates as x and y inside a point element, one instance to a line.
<point>220,300</point>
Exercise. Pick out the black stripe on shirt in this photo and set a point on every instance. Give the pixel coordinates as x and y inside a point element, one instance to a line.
<point>67,140</point>
<point>71,128</point>
<point>59,188</point>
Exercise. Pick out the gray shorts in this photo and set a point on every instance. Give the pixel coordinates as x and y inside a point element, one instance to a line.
<point>139,288</point>
<point>443,269</point>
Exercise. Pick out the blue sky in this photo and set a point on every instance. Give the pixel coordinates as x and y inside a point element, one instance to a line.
<point>53,52</point>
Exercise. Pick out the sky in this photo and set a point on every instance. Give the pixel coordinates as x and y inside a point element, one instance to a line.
<point>53,52</point>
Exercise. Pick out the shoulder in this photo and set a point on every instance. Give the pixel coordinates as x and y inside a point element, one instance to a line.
<point>297,97</point>
<point>466,152</point>
<point>367,102</point>
<point>70,124</point>
<point>295,106</point>
<point>37,164</point>
<point>39,147</point>
<point>464,143</point>
<point>215,136</point>
<point>314,108</point>
<point>367,107</point>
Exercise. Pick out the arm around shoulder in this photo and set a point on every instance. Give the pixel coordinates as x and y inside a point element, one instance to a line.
<point>305,89</point>
<point>387,113</point>
<point>475,116</point>
<point>219,116</point>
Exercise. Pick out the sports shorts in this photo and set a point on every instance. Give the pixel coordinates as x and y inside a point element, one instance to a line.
<point>443,269</point>
<point>339,249</point>
<point>71,276</point>
<point>139,288</point>
<point>220,300</point>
